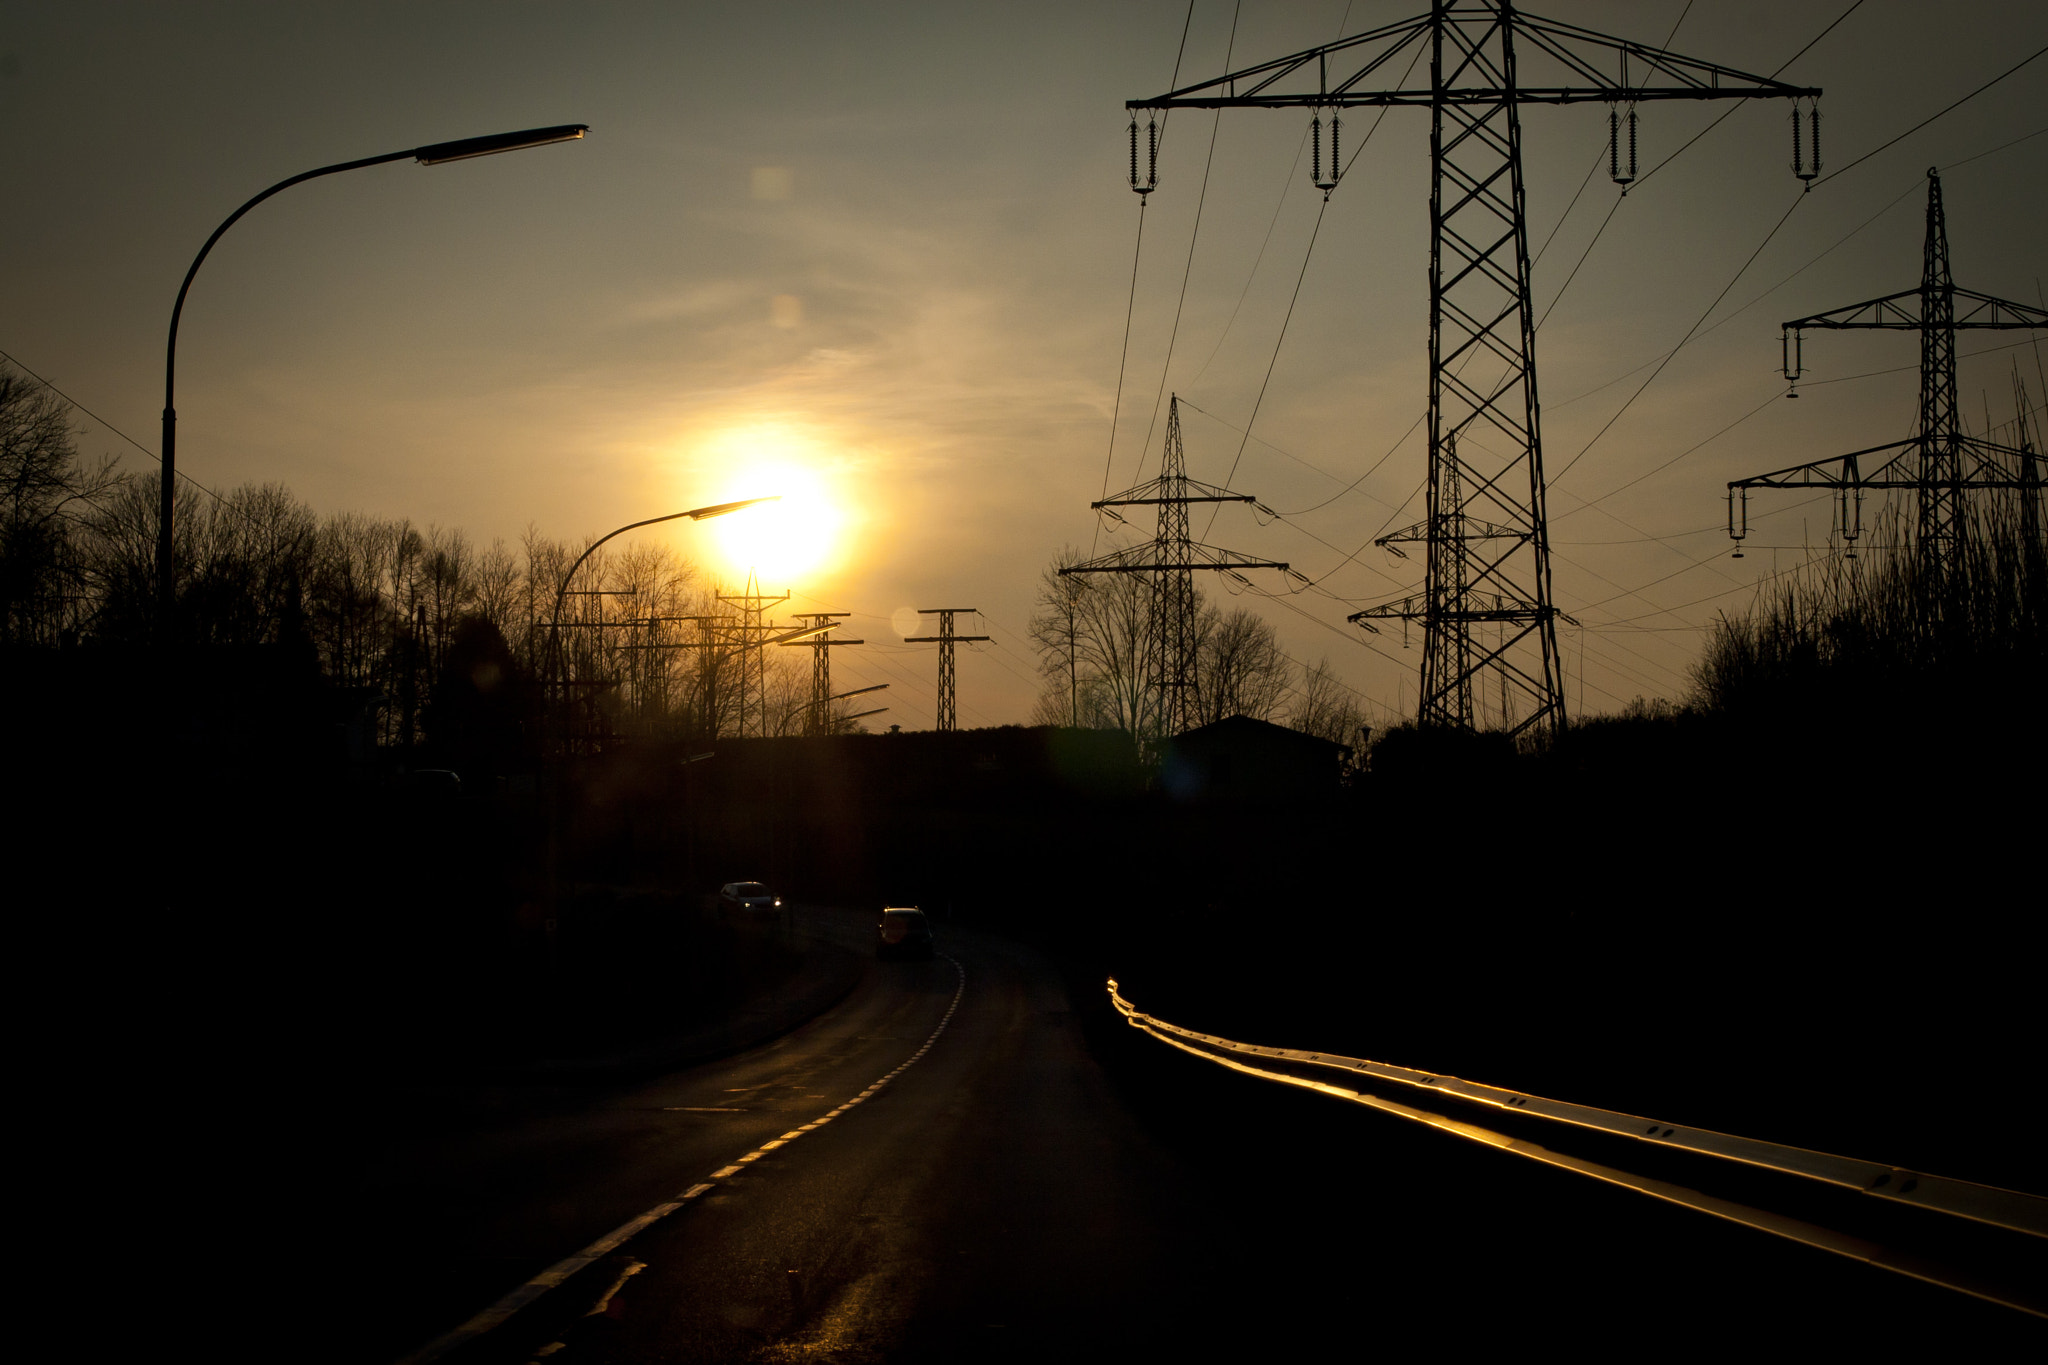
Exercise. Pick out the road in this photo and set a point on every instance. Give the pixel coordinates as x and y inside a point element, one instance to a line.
<point>1032,1180</point>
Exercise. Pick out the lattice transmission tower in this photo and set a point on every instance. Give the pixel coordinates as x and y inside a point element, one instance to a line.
<point>1485,524</point>
<point>1172,636</point>
<point>818,623</point>
<point>945,640</point>
<point>751,633</point>
<point>1938,463</point>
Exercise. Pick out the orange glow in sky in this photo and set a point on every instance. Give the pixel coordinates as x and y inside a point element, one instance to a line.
<point>801,537</point>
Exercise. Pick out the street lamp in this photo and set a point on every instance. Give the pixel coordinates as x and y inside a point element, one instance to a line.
<point>717,509</point>
<point>432,155</point>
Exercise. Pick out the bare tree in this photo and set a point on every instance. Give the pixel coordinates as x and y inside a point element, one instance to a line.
<point>351,617</point>
<point>496,589</point>
<point>44,496</point>
<point>1057,625</point>
<point>119,549</point>
<point>254,550</point>
<point>1240,670</point>
<point>1325,707</point>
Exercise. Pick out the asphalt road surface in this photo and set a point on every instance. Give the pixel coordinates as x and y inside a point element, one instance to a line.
<point>1037,1181</point>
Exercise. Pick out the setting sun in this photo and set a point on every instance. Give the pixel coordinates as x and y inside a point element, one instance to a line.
<point>781,541</point>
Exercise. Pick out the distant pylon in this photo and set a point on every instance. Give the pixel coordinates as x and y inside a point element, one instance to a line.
<point>751,634</point>
<point>1938,462</point>
<point>1172,637</point>
<point>821,664</point>
<point>945,640</point>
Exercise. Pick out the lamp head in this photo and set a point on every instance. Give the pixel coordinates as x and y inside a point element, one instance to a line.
<point>720,509</point>
<point>436,153</point>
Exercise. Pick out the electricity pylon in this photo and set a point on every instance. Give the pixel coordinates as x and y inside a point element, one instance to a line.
<point>1938,462</point>
<point>751,633</point>
<point>821,663</point>
<point>1172,637</point>
<point>945,640</point>
<point>1485,447</point>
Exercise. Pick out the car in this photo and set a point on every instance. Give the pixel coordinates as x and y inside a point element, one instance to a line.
<point>437,781</point>
<point>748,898</point>
<point>903,932</point>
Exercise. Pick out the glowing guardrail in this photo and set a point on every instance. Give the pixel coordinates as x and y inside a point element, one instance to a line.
<point>2001,1256</point>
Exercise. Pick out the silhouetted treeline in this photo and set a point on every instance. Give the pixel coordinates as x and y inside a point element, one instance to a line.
<point>446,640</point>
<point>1878,633</point>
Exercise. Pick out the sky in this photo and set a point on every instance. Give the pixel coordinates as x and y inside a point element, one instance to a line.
<point>879,258</point>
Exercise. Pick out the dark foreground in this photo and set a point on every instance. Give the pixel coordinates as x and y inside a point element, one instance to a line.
<point>1044,1181</point>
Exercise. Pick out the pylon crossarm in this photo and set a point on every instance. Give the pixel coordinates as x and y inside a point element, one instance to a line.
<point>1143,559</point>
<point>1250,85</point>
<point>1580,54</point>
<point>1900,312</point>
<point>1154,492</point>
<point>2000,314</point>
<point>1691,79</point>
<point>1408,608</point>
<point>1833,471</point>
<point>1220,495</point>
<point>1473,529</point>
<point>1130,559</point>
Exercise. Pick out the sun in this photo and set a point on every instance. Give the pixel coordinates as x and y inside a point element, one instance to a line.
<point>799,536</point>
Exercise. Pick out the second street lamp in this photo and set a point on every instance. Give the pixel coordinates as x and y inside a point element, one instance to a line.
<point>716,509</point>
<point>433,154</point>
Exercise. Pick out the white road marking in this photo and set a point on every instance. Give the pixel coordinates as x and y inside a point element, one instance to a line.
<point>497,1314</point>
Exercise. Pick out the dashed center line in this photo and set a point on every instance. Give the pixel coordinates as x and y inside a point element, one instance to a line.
<point>498,1313</point>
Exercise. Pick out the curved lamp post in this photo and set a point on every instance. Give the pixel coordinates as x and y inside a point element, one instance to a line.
<point>431,155</point>
<point>717,509</point>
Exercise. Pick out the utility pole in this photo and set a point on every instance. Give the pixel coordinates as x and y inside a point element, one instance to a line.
<point>1938,462</point>
<point>1482,327</point>
<point>1172,639</point>
<point>821,664</point>
<point>945,640</point>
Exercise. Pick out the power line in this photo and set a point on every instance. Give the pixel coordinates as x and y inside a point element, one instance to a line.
<point>2024,61</point>
<point>1790,209</point>
<point>1188,270</point>
<point>1731,109</point>
<point>120,433</point>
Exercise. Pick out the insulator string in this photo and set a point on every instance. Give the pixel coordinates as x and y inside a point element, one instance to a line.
<point>1321,181</point>
<point>1150,182</point>
<point>1614,148</point>
<point>1802,167</point>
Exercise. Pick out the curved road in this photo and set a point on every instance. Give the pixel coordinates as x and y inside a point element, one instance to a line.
<point>1007,1195</point>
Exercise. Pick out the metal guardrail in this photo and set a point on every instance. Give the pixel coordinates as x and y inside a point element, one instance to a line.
<point>1978,1239</point>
